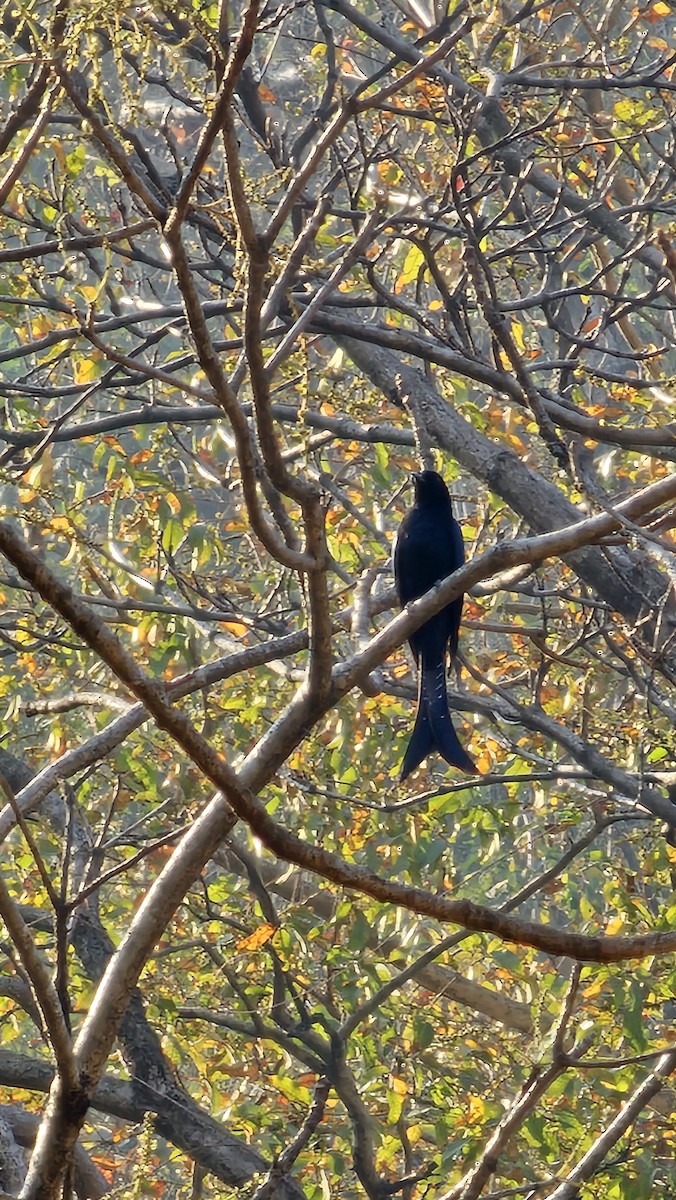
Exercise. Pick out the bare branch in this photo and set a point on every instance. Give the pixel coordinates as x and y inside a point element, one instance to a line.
<point>591,1162</point>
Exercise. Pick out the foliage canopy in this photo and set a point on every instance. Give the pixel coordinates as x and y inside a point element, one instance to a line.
<point>258,264</point>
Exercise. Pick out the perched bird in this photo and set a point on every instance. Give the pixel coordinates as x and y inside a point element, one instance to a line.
<point>428,547</point>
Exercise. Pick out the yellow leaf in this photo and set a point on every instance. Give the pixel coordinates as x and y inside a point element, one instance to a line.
<point>41,325</point>
<point>42,474</point>
<point>517,334</point>
<point>85,371</point>
<point>56,743</point>
<point>614,926</point>
<point>414,1134</point>
<point>396,1096</point>
<point>412,264</point>
<point>594,989</point>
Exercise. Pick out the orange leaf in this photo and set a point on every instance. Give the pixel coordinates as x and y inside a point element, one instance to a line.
<point>258,938</point>
<point>236,628</point>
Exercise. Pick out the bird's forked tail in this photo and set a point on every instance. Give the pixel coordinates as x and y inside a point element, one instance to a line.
<point>433,729</point>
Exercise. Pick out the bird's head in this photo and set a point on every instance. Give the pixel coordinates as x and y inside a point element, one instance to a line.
<point>430,488</point>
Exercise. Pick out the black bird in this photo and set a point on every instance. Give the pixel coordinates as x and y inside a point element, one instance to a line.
<point>428,547</point>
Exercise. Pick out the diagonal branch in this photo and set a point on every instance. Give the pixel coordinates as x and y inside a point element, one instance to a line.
<point>238,790</point>
<point>593,1160</point>
<point>65,1113</point>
